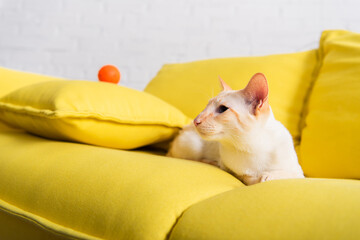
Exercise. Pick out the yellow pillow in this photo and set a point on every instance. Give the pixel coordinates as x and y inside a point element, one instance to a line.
<point>189,86</point>
<point>330,141</point>
<point>11,80</point>
<point>92,112</point>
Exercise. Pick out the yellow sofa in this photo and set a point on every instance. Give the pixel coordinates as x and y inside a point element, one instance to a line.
<point>56,186</point>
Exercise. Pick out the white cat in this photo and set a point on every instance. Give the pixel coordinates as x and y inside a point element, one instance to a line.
<point>238,132</point>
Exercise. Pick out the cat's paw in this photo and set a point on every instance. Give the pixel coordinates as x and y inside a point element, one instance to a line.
<point>267,177</point>
<point>210,161</point>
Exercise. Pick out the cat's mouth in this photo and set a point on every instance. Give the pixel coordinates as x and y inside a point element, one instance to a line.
<point>208,134</point>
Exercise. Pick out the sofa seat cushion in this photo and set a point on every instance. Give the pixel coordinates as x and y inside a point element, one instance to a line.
<point>279,209</point>
<point>90,192</point>
<point>189,86</point>
<point>330,140</point>
<point>96,113</point>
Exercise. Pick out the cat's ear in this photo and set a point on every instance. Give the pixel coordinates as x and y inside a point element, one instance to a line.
<point>257,92</point>
<point>224,86</point>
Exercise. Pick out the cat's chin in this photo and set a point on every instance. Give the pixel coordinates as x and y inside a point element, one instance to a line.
<point>211,136</point>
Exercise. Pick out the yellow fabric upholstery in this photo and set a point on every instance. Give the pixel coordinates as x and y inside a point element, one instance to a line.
<point>6,127</point>
<point>97,113</point>
<point>279,209</point>
<point>189,86</point>
<point>82,190</point>
<point>11,80</point>
<point>16,224</point>
<point>330,140</point>
<point>61,190</point>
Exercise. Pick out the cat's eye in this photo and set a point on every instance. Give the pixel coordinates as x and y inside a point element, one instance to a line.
<point>221,109</point>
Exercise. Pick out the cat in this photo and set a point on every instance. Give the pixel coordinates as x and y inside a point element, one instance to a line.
<point>237,132</point>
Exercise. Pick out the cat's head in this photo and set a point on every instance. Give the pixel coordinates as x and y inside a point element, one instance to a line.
<point>235,112</point>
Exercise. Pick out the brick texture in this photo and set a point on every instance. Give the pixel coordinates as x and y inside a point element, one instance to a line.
<point>74,38</point>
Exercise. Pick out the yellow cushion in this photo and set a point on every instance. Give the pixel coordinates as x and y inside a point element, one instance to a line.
<point>189,86</point>
<point>330,140</point>
<point>92,112</point>
<point>11,80</point>
<point>6,127</point>
<point>81,190</point>
<point>279,209</point>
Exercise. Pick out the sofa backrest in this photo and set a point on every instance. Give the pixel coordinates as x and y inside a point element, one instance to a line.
<point>315,94</point>
<point>331,135</point>
<point>11,80</point>
<point>189,86</point>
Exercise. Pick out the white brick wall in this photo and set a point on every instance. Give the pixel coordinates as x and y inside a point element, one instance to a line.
<point>74,38</point>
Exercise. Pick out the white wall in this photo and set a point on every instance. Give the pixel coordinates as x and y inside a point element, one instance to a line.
<point>74,38</point>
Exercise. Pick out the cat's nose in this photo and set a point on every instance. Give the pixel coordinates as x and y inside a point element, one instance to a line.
<point>197,121</point>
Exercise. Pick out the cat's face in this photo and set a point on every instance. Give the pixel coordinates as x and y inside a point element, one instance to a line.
<point>235,112</point>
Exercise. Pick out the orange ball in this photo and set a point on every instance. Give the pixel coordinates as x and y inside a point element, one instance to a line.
<point>109,73</point>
